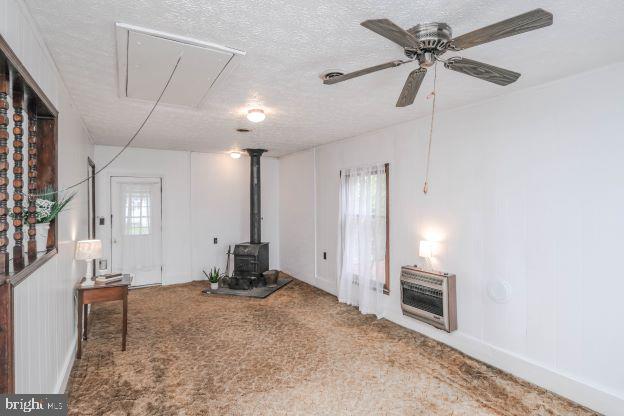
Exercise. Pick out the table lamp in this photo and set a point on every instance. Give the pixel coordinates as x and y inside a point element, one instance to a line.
<point>88,250</point>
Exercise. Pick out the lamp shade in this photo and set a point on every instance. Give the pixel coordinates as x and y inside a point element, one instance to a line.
<point>88,249</point>
<point>425,249</point>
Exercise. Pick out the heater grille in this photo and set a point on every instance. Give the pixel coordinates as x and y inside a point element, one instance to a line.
<point>429,297</point>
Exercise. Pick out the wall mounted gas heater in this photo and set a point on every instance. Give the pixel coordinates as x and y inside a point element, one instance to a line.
<point>429,296</point>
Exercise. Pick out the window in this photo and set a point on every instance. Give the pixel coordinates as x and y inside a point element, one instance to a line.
<point>364,237</point>
<point>137,213</point>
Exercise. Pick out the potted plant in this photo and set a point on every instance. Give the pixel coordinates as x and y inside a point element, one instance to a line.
<point>214,276</point>
<point>48,207</point>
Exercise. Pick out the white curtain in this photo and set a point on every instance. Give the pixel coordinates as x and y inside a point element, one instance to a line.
<point>362,238</point>
<point>141,251</point>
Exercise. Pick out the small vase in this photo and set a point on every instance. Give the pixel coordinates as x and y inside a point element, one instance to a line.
<point>42,235</point>
<point>214,286</point>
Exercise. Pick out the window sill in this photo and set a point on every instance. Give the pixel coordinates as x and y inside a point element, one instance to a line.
<point>15,277</point>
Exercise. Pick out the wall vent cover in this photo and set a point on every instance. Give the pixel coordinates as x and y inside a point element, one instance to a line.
<point>146,57</point>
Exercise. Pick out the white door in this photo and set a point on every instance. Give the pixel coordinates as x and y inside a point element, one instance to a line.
<point>136,234</point>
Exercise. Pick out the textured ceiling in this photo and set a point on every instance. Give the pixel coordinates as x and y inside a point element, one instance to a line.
<point>288,44</point>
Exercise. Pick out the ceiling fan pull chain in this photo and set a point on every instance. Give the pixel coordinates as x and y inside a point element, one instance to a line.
<point>433,108</point>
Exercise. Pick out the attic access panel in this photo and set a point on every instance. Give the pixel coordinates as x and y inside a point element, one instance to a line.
<point>146,59</point>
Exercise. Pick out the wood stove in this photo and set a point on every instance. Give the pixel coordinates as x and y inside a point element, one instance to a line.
<point>251,259</point>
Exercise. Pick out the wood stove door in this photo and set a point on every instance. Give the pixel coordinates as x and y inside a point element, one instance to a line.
<point>244,265</point>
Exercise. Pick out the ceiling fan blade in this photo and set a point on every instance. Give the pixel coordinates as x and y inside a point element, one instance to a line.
<point>361,72</point>
<point>410,89</point>
<point>389,30</point>
<point>486,72</point>
<point>535,19</point>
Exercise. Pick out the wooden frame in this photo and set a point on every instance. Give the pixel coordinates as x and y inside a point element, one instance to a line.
<point>91,202</point>
<point>91,197</point>
<point>387,259</point>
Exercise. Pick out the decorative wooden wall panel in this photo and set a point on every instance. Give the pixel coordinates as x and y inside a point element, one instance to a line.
<point>32,178</point>
<point>18,171</point>
<point>4,166</point>
<point>18,87</point>
<point>46,164</point>
<point>7,379</point>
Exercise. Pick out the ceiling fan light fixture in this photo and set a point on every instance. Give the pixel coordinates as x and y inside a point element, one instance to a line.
<point>256,115</point>
<point>331,73</point>
<point>235,155</point>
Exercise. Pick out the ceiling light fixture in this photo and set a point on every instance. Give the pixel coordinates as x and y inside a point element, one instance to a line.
<point>256,115</point>
<point>235,155</point>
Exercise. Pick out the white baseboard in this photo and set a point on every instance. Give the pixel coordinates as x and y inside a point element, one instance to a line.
<point>325,285</point>
<point>318,282</point>
<point>580,391</point>
<point>573,388</point>
<point>61,384</point>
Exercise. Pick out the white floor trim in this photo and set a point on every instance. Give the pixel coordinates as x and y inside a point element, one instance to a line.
<point>579,391</point>
<point>61,384</point>
<point>583,392</point>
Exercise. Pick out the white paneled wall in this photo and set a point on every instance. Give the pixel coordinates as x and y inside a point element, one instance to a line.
<point>44,302</point>
<point>20,32</point>
<point>205,196</point>
<point>220,208</point>
<point>44,306</point>
<point>297,215</point>
<point>526,190</point>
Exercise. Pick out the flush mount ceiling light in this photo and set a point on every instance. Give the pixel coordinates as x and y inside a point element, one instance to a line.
<point>256,115</point>
<point>235,155</point>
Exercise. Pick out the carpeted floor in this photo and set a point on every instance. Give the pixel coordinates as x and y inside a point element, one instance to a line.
<point>298,352</point>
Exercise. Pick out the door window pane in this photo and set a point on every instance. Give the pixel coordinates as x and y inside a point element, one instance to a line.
<point>137,206</point>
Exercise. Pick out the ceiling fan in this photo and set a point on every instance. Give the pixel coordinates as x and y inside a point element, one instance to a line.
<point>426,42</point>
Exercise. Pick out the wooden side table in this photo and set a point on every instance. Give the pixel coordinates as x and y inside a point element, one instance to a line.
<point>90,293</point>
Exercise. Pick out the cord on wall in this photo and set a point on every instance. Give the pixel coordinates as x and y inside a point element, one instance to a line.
<point>149,115</point>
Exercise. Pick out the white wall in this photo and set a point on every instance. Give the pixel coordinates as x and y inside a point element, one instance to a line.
<point>297,219</point>
<point>525,189</point>
<point>45,334</point>
<point>173,167</point>
<point>205,196</point>
<point>220,208</point>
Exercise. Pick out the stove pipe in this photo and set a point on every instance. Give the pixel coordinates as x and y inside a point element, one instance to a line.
<point>255,213</point>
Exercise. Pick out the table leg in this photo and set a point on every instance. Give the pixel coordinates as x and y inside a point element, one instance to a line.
<point>79,329</point>
<point>86,321</point>
<point>125,320</point>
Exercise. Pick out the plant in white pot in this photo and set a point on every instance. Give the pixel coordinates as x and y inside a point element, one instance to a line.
<point>213,277</point>
<point>48,207</point>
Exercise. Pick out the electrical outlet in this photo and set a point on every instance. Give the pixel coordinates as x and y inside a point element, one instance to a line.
<point>102,264</point>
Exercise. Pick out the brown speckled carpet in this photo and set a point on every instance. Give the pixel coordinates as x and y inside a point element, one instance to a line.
<point>297,352</point>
